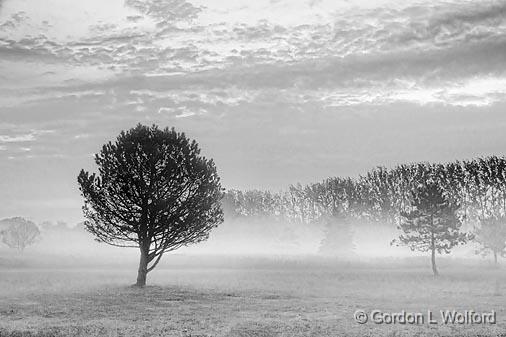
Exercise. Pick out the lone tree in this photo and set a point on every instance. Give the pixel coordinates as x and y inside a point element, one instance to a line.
<point>18,233</point>
<point>153,191</point>
<point>432,224</point>
<point>491,235</point>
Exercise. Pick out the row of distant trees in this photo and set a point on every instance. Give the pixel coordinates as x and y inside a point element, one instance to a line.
<point>477,186</point>
<point>427,202</point>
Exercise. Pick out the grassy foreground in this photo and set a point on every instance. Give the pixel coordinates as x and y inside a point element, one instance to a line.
<point>247,299</point>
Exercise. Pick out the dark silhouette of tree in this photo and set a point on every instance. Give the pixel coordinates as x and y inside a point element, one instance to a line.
<point>153,191</point>
<point>432,223</point>
<point>491,235</point>
<point>18,233</point>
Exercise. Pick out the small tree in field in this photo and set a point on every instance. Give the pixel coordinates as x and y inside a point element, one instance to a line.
<point>153,191</point>
<point>432,224</point>
<point>491,235</point>
<point>18,233</point>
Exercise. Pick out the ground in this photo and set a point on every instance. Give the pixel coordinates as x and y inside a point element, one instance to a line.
<point>246,298</point>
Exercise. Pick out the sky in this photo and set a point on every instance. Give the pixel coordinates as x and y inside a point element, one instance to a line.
<point>275,91</point>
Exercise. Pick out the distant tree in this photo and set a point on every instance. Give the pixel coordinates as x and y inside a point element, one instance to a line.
<point>491,235</point>
<point>153,191</point>
<point>58,225</point>
<point>18,233</point>
<point>432,224</point>
<point>338,239</point>
<point>230,204</point>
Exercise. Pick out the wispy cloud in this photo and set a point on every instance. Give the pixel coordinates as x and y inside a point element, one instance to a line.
<point>329,45</point>
<point>16,139</point>
<point>22,138</point>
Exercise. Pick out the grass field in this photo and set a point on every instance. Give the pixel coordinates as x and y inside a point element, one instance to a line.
<point>246,298</point>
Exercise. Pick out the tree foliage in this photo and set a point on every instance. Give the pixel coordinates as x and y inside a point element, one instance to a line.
<point>432,223</point>
<point>491,235</point>
<point>381,194</point>
<point>153,190</point>
<point>338,239</point>
<point>18,233</point>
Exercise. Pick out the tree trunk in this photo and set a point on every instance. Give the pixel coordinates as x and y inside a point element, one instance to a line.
<point>433,248</point>
<point>433,252</point>
<point>142,273</point>
<point>495,258</point>
<point>433,260</point>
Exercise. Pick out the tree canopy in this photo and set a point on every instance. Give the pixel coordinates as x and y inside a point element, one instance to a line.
<point>18,233</point>
<point>432,223</point>
<point>381,194</point>
<point>153,190</point>
<point>491,235</point>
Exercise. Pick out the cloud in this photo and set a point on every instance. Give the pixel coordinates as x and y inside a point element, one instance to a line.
<point>16,139</point>
<point>82,136</point>
<point>431,43</point>
<point>195,61</point>
<point>181,112</point>
<point>21,138</point>
<point>475,91</point>
<point>165,11</point>
<point>14,21</point>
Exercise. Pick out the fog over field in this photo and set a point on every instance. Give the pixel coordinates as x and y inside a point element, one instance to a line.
<point>268,168</point>
<point>257,238</point>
